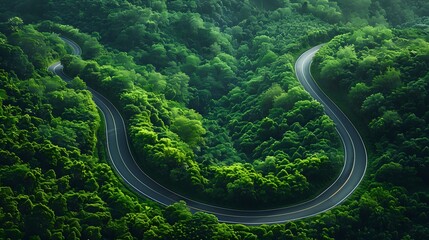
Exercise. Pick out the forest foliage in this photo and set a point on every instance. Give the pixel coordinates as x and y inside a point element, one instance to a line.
<point>382,74</point>
<point>180,96</point>
<point>210,99</point>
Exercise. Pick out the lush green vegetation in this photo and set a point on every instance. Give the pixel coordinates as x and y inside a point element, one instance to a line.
<point>230,125</point>
<point>53,183</point>
<point>210,98</point>
<point>265,143</point>
<point>382,76</point>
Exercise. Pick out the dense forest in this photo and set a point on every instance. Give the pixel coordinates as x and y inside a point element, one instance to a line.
<point>213,111</point>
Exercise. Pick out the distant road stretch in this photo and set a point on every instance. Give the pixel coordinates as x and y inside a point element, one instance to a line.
<point>122,160</point>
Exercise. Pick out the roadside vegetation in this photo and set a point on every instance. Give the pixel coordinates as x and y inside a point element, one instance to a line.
<point>213,110</point>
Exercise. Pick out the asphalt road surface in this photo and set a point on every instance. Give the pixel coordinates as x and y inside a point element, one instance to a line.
<point>122,160</point>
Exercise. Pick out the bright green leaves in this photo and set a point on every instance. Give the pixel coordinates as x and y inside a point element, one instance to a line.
<point>177,88</point>
<point>266,100</point>
<point>359,92</point>
<point>389,121</point>
<point>190,131</point>
<point>48,142</point>
<point>266,120</point>
<point>304,111</point>
<point>287,100</point>
<point>388,81</point>
<point>177,212</point>
<point>157,82</point>
<point>168,150</point>
<point>386,94</point>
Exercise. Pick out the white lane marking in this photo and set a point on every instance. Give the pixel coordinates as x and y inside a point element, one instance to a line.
<point>120,155</point>
<point>56,69</point>
<point>238,216</point>
<point>78,50</point>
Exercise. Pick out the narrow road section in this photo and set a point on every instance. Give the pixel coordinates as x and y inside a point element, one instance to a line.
<point>124,164</point>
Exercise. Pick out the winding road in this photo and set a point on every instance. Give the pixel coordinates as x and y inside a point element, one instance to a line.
<point>124,164</point>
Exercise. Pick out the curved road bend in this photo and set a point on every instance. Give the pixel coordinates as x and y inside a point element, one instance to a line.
<point>124,164</point>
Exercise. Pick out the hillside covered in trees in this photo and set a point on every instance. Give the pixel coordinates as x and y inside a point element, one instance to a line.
<point>213,111</point>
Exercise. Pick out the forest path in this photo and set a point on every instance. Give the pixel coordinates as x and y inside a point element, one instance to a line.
<point>121,158</point>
